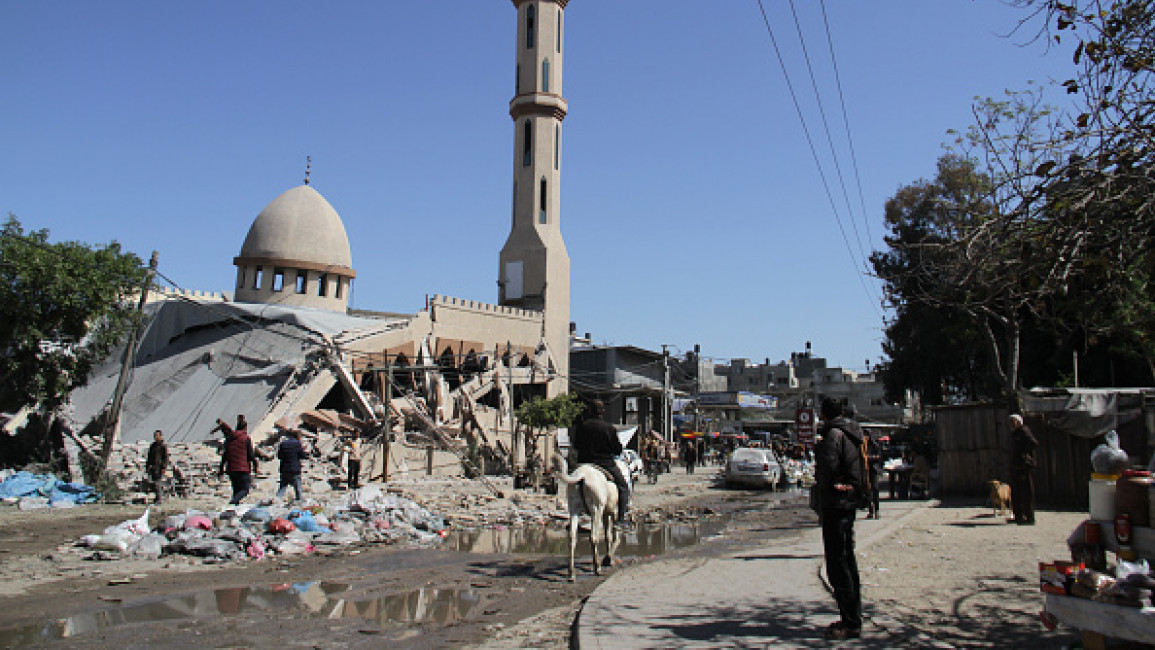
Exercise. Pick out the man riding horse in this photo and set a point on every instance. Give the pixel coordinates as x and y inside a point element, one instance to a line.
<point>596,442</point>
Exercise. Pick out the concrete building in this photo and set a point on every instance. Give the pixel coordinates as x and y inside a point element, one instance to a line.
<point>805,379</point>
<point>285,344</point>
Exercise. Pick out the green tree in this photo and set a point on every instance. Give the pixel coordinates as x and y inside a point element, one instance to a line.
<point>541,415</point>
<point>63,308</point>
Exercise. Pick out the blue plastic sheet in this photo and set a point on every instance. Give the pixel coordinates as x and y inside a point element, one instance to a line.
<point>27,484</point>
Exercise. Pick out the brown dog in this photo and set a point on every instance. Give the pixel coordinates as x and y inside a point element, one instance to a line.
<point>1000,497</point>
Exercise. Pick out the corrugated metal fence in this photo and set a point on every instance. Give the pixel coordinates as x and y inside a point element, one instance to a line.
<point>974,447</point>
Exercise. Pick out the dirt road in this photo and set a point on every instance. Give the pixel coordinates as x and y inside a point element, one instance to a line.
<point>358,597</point>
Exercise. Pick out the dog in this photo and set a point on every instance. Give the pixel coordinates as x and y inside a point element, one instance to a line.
<point>1000,497</point>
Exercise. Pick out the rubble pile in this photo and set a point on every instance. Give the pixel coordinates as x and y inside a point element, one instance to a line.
<point>364,516</point>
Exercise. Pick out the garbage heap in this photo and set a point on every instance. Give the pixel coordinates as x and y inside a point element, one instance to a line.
<point>364,516</point>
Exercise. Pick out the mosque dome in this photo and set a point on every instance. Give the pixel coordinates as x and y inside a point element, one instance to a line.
<point>296,254</point>
<point>300,226</point>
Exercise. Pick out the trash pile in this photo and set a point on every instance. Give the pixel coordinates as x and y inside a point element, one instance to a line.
<point>364,516</point>
<point>29,491</point>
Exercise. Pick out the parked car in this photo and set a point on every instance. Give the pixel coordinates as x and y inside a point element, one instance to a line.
<point>752,467</point>
<point>634,462</point>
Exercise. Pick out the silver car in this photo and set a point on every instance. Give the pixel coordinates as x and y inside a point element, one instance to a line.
<point>752,467</point>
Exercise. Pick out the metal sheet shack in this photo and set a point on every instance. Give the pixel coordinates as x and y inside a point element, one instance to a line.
<point>974,440</point>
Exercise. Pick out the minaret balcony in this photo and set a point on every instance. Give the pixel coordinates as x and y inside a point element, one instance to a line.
<point>538,104</point>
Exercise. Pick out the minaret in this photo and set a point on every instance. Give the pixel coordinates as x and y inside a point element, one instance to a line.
<point>534,271</point>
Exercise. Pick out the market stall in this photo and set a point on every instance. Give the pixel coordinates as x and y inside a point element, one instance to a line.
<point>1106,589</point>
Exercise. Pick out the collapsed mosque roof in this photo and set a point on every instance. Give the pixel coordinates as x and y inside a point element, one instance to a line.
<point>199,361</point>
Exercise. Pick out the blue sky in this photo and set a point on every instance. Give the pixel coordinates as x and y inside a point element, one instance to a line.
<point>692,206</point>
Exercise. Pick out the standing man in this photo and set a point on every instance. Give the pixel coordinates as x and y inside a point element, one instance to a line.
<point>291,454</point>
<point>596,442</point>
<point>238,458</point>
<point>838,474</point>
<point>157,462</point>
<point>353,448</point>
<point>874,465</point>
<point>690,456</point>
<point>1023,463</point>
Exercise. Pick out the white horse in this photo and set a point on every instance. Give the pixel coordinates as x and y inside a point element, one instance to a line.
<point>589,491</point>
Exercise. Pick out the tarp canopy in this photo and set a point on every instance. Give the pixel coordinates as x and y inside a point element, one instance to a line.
<point>1086,412</point>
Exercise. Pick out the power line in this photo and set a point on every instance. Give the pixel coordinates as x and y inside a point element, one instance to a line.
<point>814,155</point>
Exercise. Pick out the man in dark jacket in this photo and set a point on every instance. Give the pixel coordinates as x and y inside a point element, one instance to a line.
<point>596,442</point>
<point>238,457</point>
<point>291,454</point>
<point>157,462</point>
<point>1023,462</point>
<point>839,478</point>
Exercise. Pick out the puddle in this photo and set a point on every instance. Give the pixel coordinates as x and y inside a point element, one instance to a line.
<point>645,540</point>
<point>326,600</point>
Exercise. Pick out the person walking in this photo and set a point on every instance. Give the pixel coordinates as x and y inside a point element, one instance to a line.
<point>157,463</point>
<point>838,474</point>
<point>291,454</point>
<point>690,457</point>
<point>238,457</point>
<point>1023,463</point>
<point>874,464</point>
<point>353,449</point>
<point>596,442</point>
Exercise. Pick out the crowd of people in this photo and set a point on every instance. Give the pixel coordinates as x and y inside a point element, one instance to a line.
<point>240,461</point>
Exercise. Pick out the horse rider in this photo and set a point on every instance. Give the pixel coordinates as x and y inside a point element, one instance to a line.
<point>596,442</point>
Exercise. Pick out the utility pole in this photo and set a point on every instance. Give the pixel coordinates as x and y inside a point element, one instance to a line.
<point>388,413</point>
<point>126,363</point>
<point>668,420</point>
<point>697,385</point>
<point>514,439</point>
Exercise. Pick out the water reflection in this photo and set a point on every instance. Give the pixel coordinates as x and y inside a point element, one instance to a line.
<point>646,539</point>
<point>313,599</point>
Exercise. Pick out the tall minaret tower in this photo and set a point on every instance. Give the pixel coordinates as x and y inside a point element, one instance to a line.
<point>534,270</point>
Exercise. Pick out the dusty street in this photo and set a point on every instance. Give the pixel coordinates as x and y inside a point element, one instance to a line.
<point>480,582</point>
<point>955,575</point>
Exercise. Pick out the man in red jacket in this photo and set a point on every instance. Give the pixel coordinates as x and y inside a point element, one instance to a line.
<point>238,457</point>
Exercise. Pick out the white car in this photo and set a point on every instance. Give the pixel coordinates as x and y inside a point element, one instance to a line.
<point>753,467</point>
<point>634,463</point>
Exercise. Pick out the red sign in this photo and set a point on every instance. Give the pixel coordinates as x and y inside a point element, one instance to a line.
<point>804,424</point>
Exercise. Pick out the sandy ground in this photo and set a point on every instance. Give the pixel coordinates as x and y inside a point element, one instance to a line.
<point>965,577</point>
<point>44,575</point>
<point>955,574</point>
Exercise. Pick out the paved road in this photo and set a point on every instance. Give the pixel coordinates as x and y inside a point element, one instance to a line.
<point>769,595</point>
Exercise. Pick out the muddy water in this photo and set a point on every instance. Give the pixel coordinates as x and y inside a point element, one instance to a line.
<point>645,541</point>
<point>320,600</point>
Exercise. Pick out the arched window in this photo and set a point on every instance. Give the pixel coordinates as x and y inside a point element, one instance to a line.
<point>545,75</point>
<point>322,285</point>
<point>513,212</point>
<point>257,277</point>
<point>517,81</point>
<point>559,31</point>
<point>527,145</point>
<point>544,199</point>
<point>557,146</point>
<point>529,26</point>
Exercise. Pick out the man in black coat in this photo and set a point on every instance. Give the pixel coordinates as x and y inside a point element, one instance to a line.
<point>839,478</point>
<point>291,454</point>
<point>1023,462</point>
<point>157,462</point>
<point>596,442</point>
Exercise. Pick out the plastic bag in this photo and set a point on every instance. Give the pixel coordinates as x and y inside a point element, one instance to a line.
<point>281,526</point>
